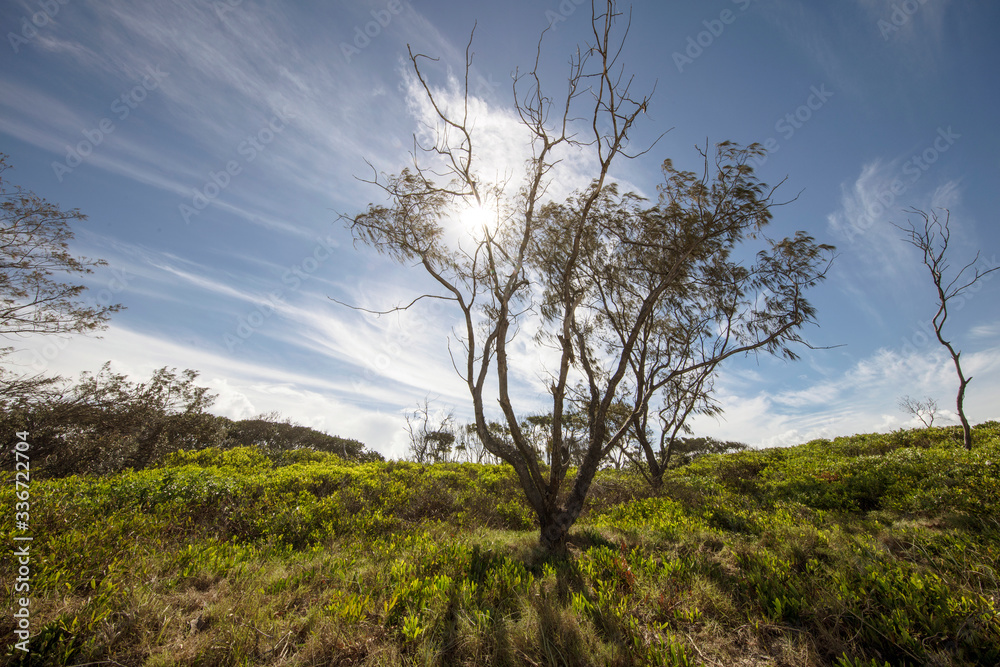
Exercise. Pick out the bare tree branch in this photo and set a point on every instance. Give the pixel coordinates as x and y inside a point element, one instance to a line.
<point>932,241</point>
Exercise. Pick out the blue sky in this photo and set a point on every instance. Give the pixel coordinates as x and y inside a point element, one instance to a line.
<point>213,145</point>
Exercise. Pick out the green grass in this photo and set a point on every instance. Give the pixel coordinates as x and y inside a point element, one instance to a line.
<point>867,550</point>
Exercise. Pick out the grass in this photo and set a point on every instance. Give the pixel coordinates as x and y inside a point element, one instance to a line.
<point>870,550</point>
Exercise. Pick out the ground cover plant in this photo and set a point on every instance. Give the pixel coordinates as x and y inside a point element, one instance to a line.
<point>878,549</point>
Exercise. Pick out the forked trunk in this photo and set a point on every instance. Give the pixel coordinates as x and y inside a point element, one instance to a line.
<point>555,523</point>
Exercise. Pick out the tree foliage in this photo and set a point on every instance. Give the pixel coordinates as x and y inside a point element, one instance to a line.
<point>34,257</point>
<point>631,296</point>
<point>275,436</point>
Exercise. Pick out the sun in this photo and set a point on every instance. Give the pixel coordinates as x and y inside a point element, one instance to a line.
<point>478,217</point>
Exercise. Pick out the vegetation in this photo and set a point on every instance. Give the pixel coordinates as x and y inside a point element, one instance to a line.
<point>867,550</point>
<point>107,423</point>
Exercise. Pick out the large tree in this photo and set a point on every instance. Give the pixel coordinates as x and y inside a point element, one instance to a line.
<point>34,261</point>
<point>35,297</point>
<point>630,296</point>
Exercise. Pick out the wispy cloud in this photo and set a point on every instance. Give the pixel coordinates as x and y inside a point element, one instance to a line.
<point>986,331</point>
<point>868,207</point>
<point>328,402</point>
<point>862,398</point>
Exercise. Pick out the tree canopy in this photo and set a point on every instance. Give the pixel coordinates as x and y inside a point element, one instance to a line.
<point>34,257</point>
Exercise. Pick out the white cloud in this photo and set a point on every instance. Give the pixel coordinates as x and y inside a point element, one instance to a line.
<point>863,398</point>
<point>987,331</point>
<point>245,388</point>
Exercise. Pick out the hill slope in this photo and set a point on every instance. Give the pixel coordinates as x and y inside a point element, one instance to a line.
<point>868,550</point>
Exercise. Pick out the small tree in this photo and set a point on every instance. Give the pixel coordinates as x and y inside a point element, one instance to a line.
<point>932,239</point>
<point>630,296</point>
<point>685,395</point>
<point>430,442</point>
<point>925,411</point>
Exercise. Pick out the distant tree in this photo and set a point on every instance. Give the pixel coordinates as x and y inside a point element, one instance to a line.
<point>685,395</point>
<point>431,436</point>
<point>925,410</point>
<point>932,239</point>
<point>596,274</point>
<point>34,250</point>
<point>687,450</point>
<point>275,435</point>
<point>469,447</point>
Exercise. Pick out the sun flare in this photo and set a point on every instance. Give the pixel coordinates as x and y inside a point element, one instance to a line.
<point>478,217</point>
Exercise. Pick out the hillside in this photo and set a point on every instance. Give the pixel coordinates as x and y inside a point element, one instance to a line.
<point>865,550</point>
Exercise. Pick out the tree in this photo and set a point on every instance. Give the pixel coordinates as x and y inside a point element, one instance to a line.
<point>925,411</point>
<point>106,422</point>
<point>685,395</point>
<point>630,296</point>
<point>275,435</point>
<point>34,248</point>
<point>687,450</point>
<point>932,241</point>
<point>430,443</point>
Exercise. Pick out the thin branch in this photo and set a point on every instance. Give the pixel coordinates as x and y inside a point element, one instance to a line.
<point>397,308</point>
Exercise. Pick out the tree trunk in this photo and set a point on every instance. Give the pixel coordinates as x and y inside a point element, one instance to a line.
<point>553,534</point>
<point>963,382</point>
<point>966,429</point>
